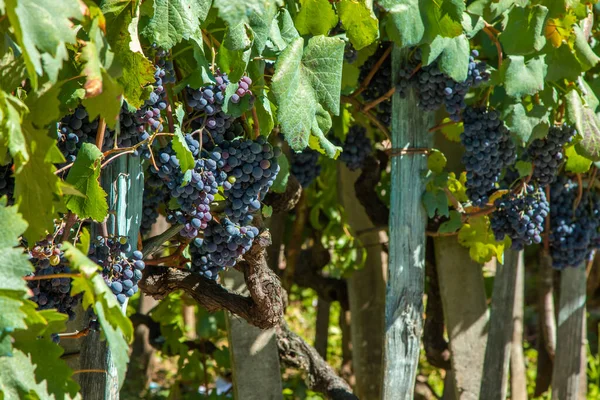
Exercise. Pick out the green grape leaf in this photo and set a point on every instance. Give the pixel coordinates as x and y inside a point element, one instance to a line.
<point>403,22</point>
<point>117,328</point>
<point>262,104</point>
<point>267,211</point>
<point>83,245</point>
<point>316,17</point>
<point>11,117</point>
<point>438,22</point>
<point>182,151</point>
<point>260,23</point>
<point>453,130</point>
<point>436,161</point>
<point>138,71</point>
<point>198,66</point>
<point>452,55</point>
<point>35,341</point>
<point>37,188</point>
<point>234,54</point>
<point>13,70</point>
<point>562,64</point>
<point>524,168</point>
<point>576,163</point>
<point>108,103</point>
<point>317,141</point>
<point>457,186</point>
<point>175,20</point>
<point>583,52</point>
<point>478,237</point>
<point>435,202</point>
<point>282,32</point>
<point>281,180</point>
<point>488,9</point>
<point>587,124</point>
<point>17,378</point>
<point>42,31</point>
<point>454,9</point>
<point>305,78</point>
<point>522,78</point>
<point>453,224</point>
<point>84,175</point>
<point>524,33</point>
<point>360,22</point>
<point>526,124</point>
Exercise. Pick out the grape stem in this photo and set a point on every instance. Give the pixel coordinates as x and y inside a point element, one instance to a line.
<point>454,201</point>
<point>256,126</point>
<point>70,221</point>
<point>493,35</point>
<point>579,192</point>
<point>100,133</point>
<point>378,100</point>
<point>358,105</point>
<point>441,126</point>
<point>52,276</point>
<point>365,83</point>
<point>439,234</point>
<point>81,371</point>
<point>74,335</point>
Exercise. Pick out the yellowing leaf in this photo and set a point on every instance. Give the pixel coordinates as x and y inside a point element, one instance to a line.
<point>478,237</point>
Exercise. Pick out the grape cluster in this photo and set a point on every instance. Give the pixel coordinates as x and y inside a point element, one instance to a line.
<point>242,90</point>
<point>356,148</point>
<point>304,166</point>
<point>573,231</point>
<point>435,88</point>
<point>488,150</point>
<point>149,113</point>
<point>547,154</point>
<point>222,245</point>
<point>7,183</point>
<point>379,84</point>
<point>74,130</point>
<point>520,216</point>
<point>251,167</point>
<point>209,100</point>
<point>49,259</point>
<point>120,272</point>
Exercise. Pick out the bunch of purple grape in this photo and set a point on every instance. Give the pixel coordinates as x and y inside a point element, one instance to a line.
<point>150,111</point>
<point>573,231</point>
<point>547,154</point>
<point>356,148</point>
<point>121,273</point>
<point>380,83</point>
<point>49,259</point>
<point>304,166</point>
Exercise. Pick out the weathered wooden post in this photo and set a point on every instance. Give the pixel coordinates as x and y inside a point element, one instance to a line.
<point>406,267</point>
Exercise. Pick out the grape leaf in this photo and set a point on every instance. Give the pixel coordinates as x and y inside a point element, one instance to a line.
<point>576,163</point>
<point>236,12</point>
<point>183,152</point>
<point>35,341</point>
<point>175,20</point>
<point>37,188</point>
<point>42,30</point>
<point>558,30</point>
<point>138,71</point>
<point>403,22</point>
<point>317,141</point>
<point>359,21</point>
<point>281,180</point>
<point>522,78</point>
<point>84,241</point>
<point>488,9</point>
<point>587,123</point>
<point>267,211</point>
<point>454,9</point>
<point>11,116</point>
<point>435,202</point>
<point>524,168</point>
<point>116,327</point>
<point>437,22</point>
<point>17,378</point>
<point>453,55</point>
<point>304,78</point>
<point>527,124</point>
<point>107,104</point>
<point>583,52</point>
<point>316,17</point>
<point>84,175</point>
<point>524,33</point>
<point>260,23</point>
<point>234,54</point>
<point>436,161</point>
<point>562,64</point>
<point>453,224</point>
<point>477,236</point>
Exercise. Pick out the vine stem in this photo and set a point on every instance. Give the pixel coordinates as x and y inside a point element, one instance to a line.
<point>579,192</point>
<point>75,335</point>
<point>71,219</point>
<point>256,126</point>
<point>493,35</point>
<point>100,133</point>
<point>454,201</point>
<point>441,126</point>
<point>358,105</point>
<point>66,167</point>
<point>378,100</point>
<point>85,371</point>
<point>43,277</point>
<point>365,83</point>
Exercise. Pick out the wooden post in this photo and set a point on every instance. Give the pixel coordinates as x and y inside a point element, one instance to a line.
<point>406,267</point>
<point>123,181</point>
<point>366,293</point>
<point>322,327</point>
<point>518,378</point>
<point>254,354</point>
<point>500,333</point>
<point>566,378</point>
<point>462,291</point>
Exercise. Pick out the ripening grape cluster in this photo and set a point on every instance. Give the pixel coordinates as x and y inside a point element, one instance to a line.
<point>547,154</point>
<point>488,150</point>
<point>379,84</point>
<point>74,130</point>
<point>356,148</point>
<point>521,216</point>
<point>435,88</point>
<point>305,167</point>
<point>149,113</point>
<point>48,259</point>
<point>573,230</point>
<point>121,273</point>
